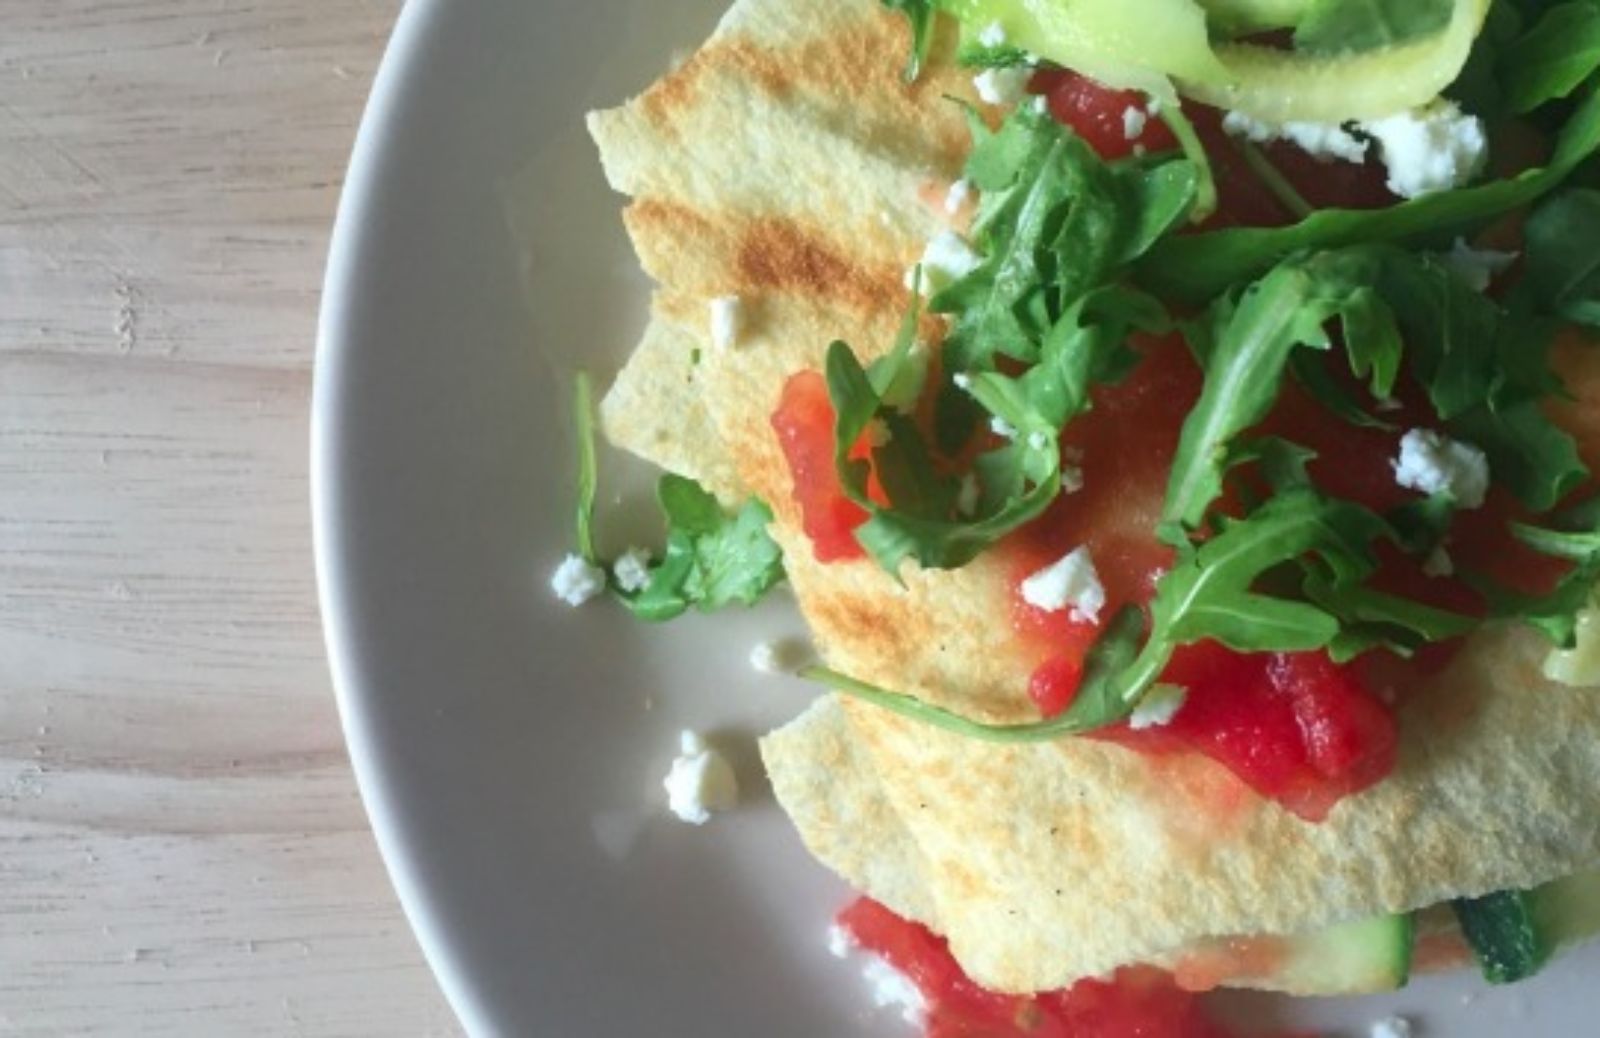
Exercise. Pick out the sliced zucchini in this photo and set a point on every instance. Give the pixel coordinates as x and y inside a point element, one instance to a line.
<point>1352,958</point>
<point>1514,933</point>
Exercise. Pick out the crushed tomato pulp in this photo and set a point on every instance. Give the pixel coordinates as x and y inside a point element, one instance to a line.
<point>1138,1002</point>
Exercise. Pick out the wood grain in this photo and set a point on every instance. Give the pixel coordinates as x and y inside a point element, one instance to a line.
<point>181,846</point>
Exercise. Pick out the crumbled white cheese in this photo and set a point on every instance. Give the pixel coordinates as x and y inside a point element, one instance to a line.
<point>779,657</point>
<point>1477,267</point>
<point>957,196</point>
<point>1071,479</point>
<point>1002,86</point>
<point>947,258</point>
<point>1134,120</point>
<point>878,433</point>
<point>1040,104</point>
<point>1002,428</point>
<point>892,989</point>
<point>967,496</point>
<point>701,781</point>
<point>1392,1027</point>
<point>962,380</point>
<point>576,580</point>
<point>725,321</point>
<point>1038,440</point>
<point>1433,463</point>
<point>632,569</point>
<point>1432,148</point>
<point>993,35</point>
<point>1438,563</point>
<point>1159,706</point>
<point>1070,582</point>
<point>840,942</point>
<point>1325,141</point>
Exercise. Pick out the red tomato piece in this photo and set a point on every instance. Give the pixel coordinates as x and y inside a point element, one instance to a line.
<point>804,424</point>
<point>1100,115</point>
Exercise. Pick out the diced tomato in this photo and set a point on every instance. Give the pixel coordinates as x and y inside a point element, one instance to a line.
<point>1136,1003</point>
<point>804,424</point>
<point>1099,114</point>
<point>1055,681</point>
<point>1294,727</point>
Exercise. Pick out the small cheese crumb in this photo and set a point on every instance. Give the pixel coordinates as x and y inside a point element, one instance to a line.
<point>993,35</point>
<point>1071,479</point>
<point>701,781</point>
<point>1002,86</point>
<point>1477,267</point>
<point>892,989</point>
<point>1159,706</point>
<point>1038,440</point>
<point>947,258</point>
<point>1071,582</point>
<point>1134,119</point>
<point>1433,463</point>
<point>779,657</point>
<point>725,322</point>
<point>1438,563</point>
<point>632,569</point>
<point>1324,141</point>
<point>1433,148</point>
<point>1002,428</point>
<point>967,496</point>
<point>957,196</point>
<point>1392,1027</point>
<point>576,581</point>
<point>962,380</point>
<point>840,942</point>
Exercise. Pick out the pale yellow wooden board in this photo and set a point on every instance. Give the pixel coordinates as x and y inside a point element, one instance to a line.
<point>181,847</point>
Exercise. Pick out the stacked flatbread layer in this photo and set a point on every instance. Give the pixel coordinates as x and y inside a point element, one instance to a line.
<point>787,164</point>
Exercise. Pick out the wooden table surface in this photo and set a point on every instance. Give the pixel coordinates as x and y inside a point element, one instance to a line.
<point>182,851</point>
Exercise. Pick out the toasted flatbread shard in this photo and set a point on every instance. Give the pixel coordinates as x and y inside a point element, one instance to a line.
<point>787,164</point>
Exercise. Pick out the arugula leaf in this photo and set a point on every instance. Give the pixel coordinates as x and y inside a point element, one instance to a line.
<point>1093,707</point>
<point>1574,534</point>
<point>713,559</point>
<point>1285,310</point>
<point>1563,264</point>
<point>919,16</point>
<point>1194,268</point>
<point>1369,619</point>
<point>1209,592</point>
<point>1553,58</point>
<point>583,421</point>
<point>1338,26</point>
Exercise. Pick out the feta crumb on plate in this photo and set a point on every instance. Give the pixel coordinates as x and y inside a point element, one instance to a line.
<point>840,943</point>
<point>1002,86</point>
<point>1002,428</point>
<point>632,569</point>
<point>1392,1027</point>
<point>726,312</point>
<point>1071,582</point>
<point>993,35</point>
<point>783,656</point>
<point>701,781</point>
<point>892,989</point>
<point>576,580</point>
<point>1434,463</point>
<point>1433,148</point>
<point>957,196</point>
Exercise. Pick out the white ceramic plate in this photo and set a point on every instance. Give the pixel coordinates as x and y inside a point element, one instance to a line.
<point>509,749</point>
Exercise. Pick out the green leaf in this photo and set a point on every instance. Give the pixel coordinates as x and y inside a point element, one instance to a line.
<point>919,15</point>
<point>1369,618</point>
<point>1093,707</point>
<point>1553,58</point>
<point>1339,26</point>
<point>1563,262</point>
<point>713,559</point>
<point>1285,310</point>
<point>1210,590</point>
<point>1194,268</point>
<point>1528,454</point>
